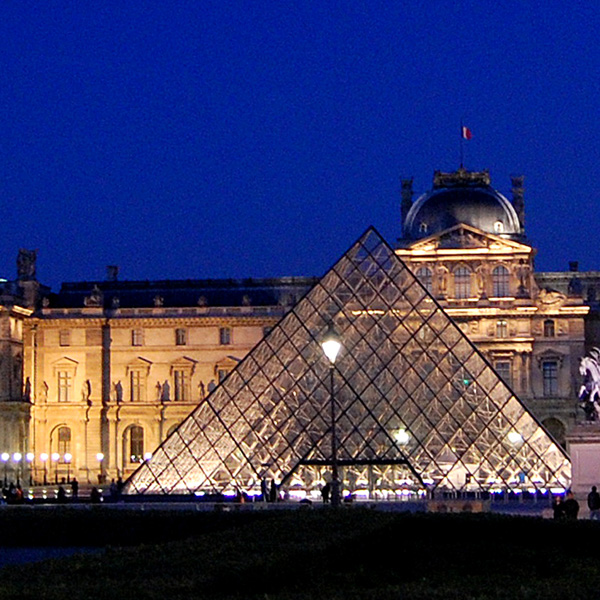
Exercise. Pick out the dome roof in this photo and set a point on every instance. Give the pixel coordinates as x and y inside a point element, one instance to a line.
<point>462,197</point>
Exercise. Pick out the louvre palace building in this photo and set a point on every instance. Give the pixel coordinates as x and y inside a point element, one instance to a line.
<point>196,384</point>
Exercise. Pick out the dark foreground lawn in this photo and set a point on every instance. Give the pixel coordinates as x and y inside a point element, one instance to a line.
<point>306,554</point>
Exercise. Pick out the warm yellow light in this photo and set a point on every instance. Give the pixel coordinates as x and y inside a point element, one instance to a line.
<point>68,457</point>
<point>55,456</point>
<point>515,437</point>
<point>402,437</point>
<point>99,457</point>
<point>43,457</point>
<point>331,344</point>
<point>29,457</point>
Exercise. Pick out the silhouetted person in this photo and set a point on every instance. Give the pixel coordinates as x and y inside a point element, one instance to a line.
<point>570,507</point>
<point>61,495</point>
<point>593,502</point>
<point>273,491</point>
<point>264,490</point>
<point>326,492</point>
<point>557,508</point>
<point>74,487</point>
<point>95,496</point>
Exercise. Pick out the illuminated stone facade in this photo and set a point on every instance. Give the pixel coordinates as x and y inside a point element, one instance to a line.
<point>466,243</point>
<point>114,367</point>
<point>105,370</point>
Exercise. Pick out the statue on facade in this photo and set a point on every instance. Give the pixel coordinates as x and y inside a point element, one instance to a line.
<point>27,390</point>
<point>201,390</point>
<point>165,395</point>
<point>26,264</point>
<point>589,393</point>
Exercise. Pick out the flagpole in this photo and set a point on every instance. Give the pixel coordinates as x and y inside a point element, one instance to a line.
<point>461,145</point>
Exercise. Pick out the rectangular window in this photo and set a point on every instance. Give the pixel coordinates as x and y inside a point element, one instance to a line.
<point>180,337</point>
<point>64,337</point>
<point>136,386</point>
<point>503,369</point>
<point>501,329</point>
<point>182,387</point>
<point>462,283</point>
<point>64,386</point>
<point>137,337</point>
<point>225,336</point>
<point>550,377</point>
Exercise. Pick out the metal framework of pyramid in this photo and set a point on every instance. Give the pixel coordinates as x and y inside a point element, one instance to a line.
<point>417,407</point>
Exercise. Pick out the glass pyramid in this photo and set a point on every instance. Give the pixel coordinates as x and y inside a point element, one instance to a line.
<point>417,407</point>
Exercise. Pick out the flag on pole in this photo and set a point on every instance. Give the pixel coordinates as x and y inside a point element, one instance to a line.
<point>466,133</point>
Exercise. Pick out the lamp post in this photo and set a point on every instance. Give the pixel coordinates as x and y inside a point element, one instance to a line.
<point>68,458</point>
<point>17,456</point>
<point>4,457</point>
<point>29,458</point>
<point>55,457</point>
<point>44,459</point>
<point>100,458</point>
<point>331,346</point>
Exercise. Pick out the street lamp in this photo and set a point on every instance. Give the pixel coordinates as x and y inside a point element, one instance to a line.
<point>17,456</point>
<point>4,457</point>
<point>29,458</point>
<point>44,458</point>
<point>55,456</point>
<point>68,458</point>
<point>331,346</point>
<point>100,458</point>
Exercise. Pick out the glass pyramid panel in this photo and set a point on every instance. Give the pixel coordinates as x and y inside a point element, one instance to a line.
<point>416,406</point>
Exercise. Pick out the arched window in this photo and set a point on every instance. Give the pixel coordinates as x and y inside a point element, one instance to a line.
<point>462,283</point>
<point>63,438</point>
<point>133,447</point>
<point>500,282</point>
<point>424,276</point>
<point>549,328</point>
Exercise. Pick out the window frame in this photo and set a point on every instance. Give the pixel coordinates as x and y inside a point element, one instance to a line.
<point>500,282</point>
<point>462,282</point>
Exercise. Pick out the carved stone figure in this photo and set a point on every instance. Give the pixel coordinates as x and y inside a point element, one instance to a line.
<point>158,301</point>
<point>86,391</point>
<point>44,392</point>
<point>26,264</point>
<point>589,392</point>
<point>201,390</point>
<point>550,299</point>
<point>118,391</point>
<point>158,388</point>
<point>442,274</point>
<point>165,395</point>
<point>94,299</point>
<point>27,390</point>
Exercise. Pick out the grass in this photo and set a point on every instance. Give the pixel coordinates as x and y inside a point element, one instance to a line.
<point>347,554</point>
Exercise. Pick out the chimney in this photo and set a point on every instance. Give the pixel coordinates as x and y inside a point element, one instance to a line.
<point>573,266</point>
<point>112,273</point>
<point>518,201</point>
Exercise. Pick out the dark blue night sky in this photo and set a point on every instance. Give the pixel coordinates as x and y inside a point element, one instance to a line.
<point>237,139</point>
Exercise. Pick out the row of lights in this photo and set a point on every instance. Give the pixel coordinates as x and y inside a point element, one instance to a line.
<point>17,457</point>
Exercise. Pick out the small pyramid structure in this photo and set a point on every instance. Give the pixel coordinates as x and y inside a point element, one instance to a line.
<point>417,407</point>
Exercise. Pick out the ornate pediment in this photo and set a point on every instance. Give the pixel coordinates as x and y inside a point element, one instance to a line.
<point>466,237</point>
